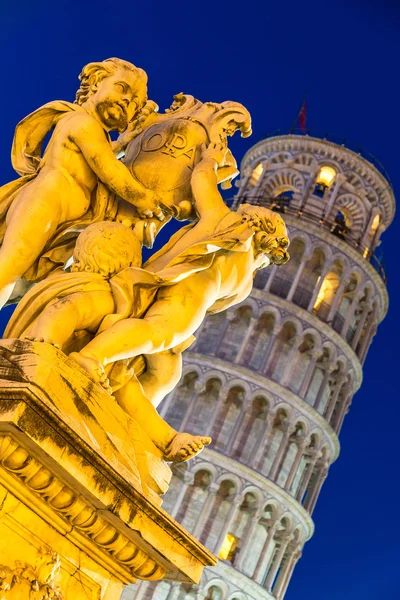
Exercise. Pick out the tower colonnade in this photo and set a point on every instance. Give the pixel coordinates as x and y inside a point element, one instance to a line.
<point>272,379</point>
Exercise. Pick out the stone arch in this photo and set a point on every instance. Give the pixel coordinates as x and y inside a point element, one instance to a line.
<point>233,479</point>
<point>238,596</point>
<point>315,439</point>
<point>256,492</point>
<point>286,179</point>
<point>354,209</point>
<point>192,368</point>
<point>315,334</point>
<point>280,157</point>
<point>205,466</point>
<point>305,159</point>
<point>273,508</point>
<point>218,584</point>
<point>354,180</point>
<point>237,382</point>
<point>216,374</point>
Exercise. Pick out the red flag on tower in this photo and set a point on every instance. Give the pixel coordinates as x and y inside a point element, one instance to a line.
<point>303,117</point>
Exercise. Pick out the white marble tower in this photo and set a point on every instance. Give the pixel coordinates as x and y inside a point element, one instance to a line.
<point>272,380</point>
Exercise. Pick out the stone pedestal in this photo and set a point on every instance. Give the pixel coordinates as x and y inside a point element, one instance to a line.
<point>80,487</point>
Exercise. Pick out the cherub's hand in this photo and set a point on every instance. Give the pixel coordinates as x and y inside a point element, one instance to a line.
<point>215,151</point>
<point>148,205</point>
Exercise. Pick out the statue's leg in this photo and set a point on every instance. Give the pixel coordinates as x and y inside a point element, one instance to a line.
<point>178,311</point>
<point>132,398</point>
<point>29,228</point>
<point>60,319</point>
<point>163,373</point>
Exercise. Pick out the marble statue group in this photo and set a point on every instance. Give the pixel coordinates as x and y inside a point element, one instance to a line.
<point>72,227</point>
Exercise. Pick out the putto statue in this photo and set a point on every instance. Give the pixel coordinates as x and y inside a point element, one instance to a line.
<point>126,325</point>
<point>128,312</point>
<point>96,340</point>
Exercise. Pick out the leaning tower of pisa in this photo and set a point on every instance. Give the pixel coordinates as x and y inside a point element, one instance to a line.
<point>273,379</point>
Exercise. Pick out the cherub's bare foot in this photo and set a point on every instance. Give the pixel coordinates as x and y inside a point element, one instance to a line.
<point>184,446</point>
<point>94,369</point>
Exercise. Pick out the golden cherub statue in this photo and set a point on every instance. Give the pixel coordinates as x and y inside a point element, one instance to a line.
<point>127,312</point>
<point>71,185</point>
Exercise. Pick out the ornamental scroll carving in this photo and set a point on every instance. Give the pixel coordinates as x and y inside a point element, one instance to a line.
<point>36,582</point>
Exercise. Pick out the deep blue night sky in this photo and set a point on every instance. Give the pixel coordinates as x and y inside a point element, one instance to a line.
<point>345,55</point>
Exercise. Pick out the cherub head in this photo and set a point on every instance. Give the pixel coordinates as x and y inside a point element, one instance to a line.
<point>270,239</point>
<point>116,89</point>
<point>106,248</point>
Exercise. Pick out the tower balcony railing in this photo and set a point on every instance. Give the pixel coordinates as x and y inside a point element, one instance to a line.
<point>337,228</point>
<point>335,139</point>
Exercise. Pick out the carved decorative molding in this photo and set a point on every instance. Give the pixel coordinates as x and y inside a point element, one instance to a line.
<point>73,507</point>
<point>39,580</point>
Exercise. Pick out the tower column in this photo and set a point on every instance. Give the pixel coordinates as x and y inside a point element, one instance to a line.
<point>341,380</point>
<point>300,451</point>
<point>290,358</point>
<point>258,574</point>
<point>188,480</point>
<point>315,355</point>
<point>327,373</point>
<point>260,453</point>
<point>246,339</point>
<point>236,503</point>
<point>310,502</point>
<point>360,326</point>
<point>288,574</point>
<point>229,318</point>
<point>307,475</point>
<point>297,277</point>
<point>276,564</point>
<point>276,465</point>
<point>250,529</point>
<point>206,510</point>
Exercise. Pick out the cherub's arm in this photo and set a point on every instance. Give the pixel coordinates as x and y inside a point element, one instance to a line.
<point>89,136</point>
<point>208,201</point>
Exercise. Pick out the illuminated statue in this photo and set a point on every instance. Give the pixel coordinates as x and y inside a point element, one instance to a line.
<point>205,268</point>
<point>71,185</point>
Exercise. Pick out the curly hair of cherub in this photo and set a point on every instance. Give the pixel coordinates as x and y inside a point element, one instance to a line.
<point>93,73</point>
<point>270,236</point>
<point>106,248</point>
